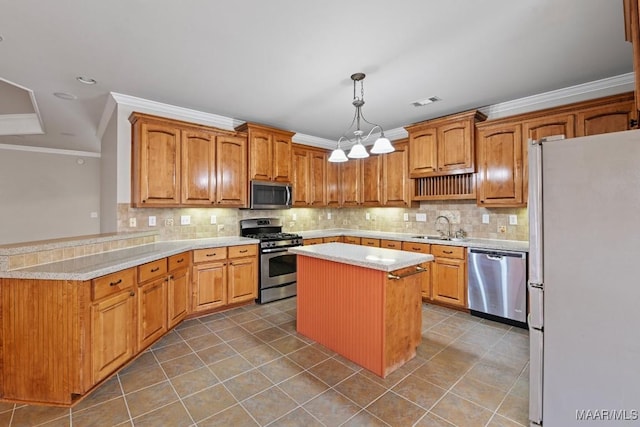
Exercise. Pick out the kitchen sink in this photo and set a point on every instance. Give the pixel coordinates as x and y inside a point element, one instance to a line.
<point>440,238</point>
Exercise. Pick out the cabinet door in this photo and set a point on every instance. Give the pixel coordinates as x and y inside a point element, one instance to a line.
<point>317,178</point>
<point>396,184</point>
<point>455,147</point>
<point>210,285</point>
<point>334,184</point>
<point>371,178</point>
<point>112,333</point>
<point>351,183</point>
<point>152,312</point>
<point>300,177</point>
<point>158,168</point>
<point>177,297</point>
<point>425,278</point>
<point>231,167</point>
<point>198,168</point>
<point>449,286</point>
<point>243,279</point>
<point>423,146</point>
<point>500,166</point>
<point>281,170</point>
<point>260,154</point>
<point>609,118</point>
<point>558,124</point>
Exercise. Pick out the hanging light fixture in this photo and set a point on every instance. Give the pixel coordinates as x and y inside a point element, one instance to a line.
<point>358,151</point>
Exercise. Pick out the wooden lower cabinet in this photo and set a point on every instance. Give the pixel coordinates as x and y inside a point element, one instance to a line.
<point>313,241</point>
<point>209,285</point>
<point>152,312</point>
<point>367,241</point>
<point>178,288</point>
<point>391,244</point>
<point>242,279</point>
<point>423,248</point>
<point>332,239</point>
<point>449,279</point>
<point>351,240</point>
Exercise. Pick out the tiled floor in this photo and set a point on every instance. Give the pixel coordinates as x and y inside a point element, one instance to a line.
<point>249,367</point>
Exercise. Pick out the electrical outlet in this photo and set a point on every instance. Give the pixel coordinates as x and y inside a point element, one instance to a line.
<point>294,216</point>
<point>421,217</point>
<point>405,217</point>
<point>185,219</point>
<point>485,218</point>
<point>367,216</point>
<point>220,227</point>
<point>168,222</point>
<point>93,215</point>
<point>133,222</point>
<point>329,215</point>
<point>152,221</point>
<point>502,229</point>
<point>213,219</point>
<point>513,219</point>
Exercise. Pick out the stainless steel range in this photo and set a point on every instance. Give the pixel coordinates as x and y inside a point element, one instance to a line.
<point>277,265</point>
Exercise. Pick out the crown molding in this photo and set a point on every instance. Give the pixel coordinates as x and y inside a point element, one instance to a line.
<point>46,150</point>
<point>20,124</point>
<point>107,112</point>
<point>595,89</point>
<point>314,141</point>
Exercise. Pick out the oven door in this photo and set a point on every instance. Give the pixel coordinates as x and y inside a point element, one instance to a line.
<point>277,267</point>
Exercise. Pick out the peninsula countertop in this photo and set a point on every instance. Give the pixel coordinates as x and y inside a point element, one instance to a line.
<point>363,256</point>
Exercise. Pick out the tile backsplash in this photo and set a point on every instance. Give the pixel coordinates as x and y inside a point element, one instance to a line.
<point>465,215</point>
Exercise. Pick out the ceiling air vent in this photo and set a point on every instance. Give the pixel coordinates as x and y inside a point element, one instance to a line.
<point>426,101</point>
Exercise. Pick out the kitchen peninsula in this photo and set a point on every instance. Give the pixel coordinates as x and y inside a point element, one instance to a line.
<point>362,302</point>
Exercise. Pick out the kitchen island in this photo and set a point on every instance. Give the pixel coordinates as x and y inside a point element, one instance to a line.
<point>361,302</point>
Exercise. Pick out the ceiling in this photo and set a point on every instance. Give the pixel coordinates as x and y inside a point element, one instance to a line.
<point>288,63</point>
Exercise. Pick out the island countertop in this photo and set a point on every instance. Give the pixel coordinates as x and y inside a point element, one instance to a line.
<point>363,256</point>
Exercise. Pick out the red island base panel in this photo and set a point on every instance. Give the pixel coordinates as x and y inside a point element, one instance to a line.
<point>360,313</point>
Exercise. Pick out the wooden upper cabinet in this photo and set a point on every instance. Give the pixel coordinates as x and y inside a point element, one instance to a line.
<point>301,178</point>
<point>269,152</point>
<point>607,118</point>
<point>371,179</point>
<point>176,163</point>
<point>443,146</point>
<point>309,176</point>
<point>318,174</point>
<point>231,170</point>
<point>156,162</point>
<point>334,184</point>
<point>552,125</point>
<point>198,167</point>
<point>632,34</point>
<point>397,187</point>
<point>351,183</point>
<point>500,165</point>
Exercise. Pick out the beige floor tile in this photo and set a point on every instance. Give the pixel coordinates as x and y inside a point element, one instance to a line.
<point>194,331</point>
<point>360,389</point>
<point>280,369</point>
<point>331,371</point>
<point>187,324</point>
<point>204,341</point>
<point>515,408</point>
<point>230,367</point>
<point>418,391</point>
<point>208,402</point>
<point>244,343</point>
<point>241,317</point>
<point>331,408</point>
<point>107,391</point>
<point>270,334</point>
<point>144,361</point>
<point>6,406</point>
<point>171,338</point>
<point>5,417</point>
<point>235,416</point>
<point>432,420</point>
<point>364,418</point>
<point>479,393</point>
<point>59,422</point>
<point>521,387</point>
<point>150,398</point>
<point>396,410</point>
<point>181,365</point>
<point>438,373</point>
<point>278,319</point>
<point>308,356</point>
<point>288,344</point>
<point>232,333</point>
<point>297,418</point>
<point>303,387</point>
<point>448,329</point>
<point>500,421</point>
<point>193,382</point>
<point>461,412</point>
<point>172,351</point>
<point>142,378</point>
<point>493,374</point>
<point>269,405</point>
<point>216,353</point>
<point>109,413</point>
<point>261,354</point>
<point>171,415</point>
<point>31,415</point>
<point>220,324</point>
<point>248,384</point>
<point>256,325</point>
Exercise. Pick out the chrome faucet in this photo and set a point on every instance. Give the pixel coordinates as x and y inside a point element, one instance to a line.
<point>448,235</point>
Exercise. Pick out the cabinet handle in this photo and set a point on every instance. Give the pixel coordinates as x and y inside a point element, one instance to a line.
<point>153,270</point>
<point>244,251</point>
<point>180,260</point>
<point>170,277</point>
<point>417,271</point>
<point>415,249</point>
<point>213,254</point>
<point>448,252</point>
<point>132,294</point>
<point>116,283</point>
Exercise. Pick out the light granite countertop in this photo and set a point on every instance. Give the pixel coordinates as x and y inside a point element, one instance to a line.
<point>496,244</point>
<point>92,266</point>
<point>363,256</point>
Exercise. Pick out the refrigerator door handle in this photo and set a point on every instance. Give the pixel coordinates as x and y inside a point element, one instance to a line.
<point>535,375</point>
<point>535,211</point>
<point>536,305</point>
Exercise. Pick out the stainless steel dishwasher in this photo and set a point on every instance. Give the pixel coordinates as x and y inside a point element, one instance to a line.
<point>497,285</point>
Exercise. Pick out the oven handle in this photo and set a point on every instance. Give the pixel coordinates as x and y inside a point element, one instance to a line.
<point>274,250</point>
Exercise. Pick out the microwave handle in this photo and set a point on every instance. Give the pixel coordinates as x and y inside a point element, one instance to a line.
<point>288,202</point>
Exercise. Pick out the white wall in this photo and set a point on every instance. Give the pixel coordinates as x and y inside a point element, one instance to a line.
<point>47,196</point>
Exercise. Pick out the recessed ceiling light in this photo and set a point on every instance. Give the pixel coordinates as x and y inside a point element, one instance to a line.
<point>64,95</point>
<point>86,80</point>
<point>426,101</point>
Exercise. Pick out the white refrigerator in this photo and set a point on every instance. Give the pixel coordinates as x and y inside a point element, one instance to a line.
<point>584,280</point>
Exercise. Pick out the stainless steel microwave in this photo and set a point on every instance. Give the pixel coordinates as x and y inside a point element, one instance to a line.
<point>270,195</point>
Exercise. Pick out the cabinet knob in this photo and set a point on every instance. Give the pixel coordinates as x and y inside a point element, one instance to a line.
<point>132,294</point>
<point>633,123</point>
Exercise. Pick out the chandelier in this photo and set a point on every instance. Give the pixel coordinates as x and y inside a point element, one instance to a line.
<point>358,151</point>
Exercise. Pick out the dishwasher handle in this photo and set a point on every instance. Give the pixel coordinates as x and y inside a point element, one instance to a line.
<point>497,255</point>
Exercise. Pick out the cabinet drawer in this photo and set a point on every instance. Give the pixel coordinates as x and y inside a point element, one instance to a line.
<point>423,248</point>
<point>332,239</point>
<point>391,244</point>
<point>243,251</point>
<point>365,241</point>
<point>113,283</point>
<point>352,240</point>
<point>443,251</point>
<point>314,241</point>
<point>211,254</point>
<point>152,270</point>
<point>179,261</point>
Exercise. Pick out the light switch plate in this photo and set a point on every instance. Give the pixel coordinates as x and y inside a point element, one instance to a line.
<point>421,217</point>
<point>185,219</point>
<point>513,219</point>
<point>213,219</point>
<point>329,215</point>
<point>367,216</point>
<point>485,218</point>
<point>294,216</point>
<point>93,215</point>
<point>405,217</point>
<point>152,221</point>
<point>132,222</point>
